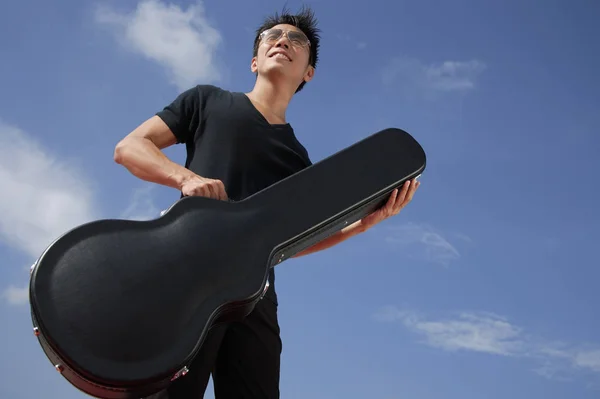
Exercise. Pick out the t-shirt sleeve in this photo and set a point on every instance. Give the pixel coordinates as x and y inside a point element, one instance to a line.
<point>183,115</point>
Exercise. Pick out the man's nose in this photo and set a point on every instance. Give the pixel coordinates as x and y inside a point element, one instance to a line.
<point>283,41</point>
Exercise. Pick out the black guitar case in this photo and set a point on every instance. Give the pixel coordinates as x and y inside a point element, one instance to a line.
<point>121,307</point>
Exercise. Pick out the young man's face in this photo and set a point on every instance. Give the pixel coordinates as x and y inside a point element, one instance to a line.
<point>284,52</point>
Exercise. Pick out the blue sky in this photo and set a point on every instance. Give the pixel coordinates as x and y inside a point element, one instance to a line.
<point>484,287</point>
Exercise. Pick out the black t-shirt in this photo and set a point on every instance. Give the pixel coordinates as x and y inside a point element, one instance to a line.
<point>228,139</point>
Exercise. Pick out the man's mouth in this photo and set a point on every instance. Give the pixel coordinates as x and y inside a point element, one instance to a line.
<point>280,55</point>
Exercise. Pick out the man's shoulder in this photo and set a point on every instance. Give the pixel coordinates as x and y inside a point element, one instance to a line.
<point>211,96</point>
<point>208,90</point>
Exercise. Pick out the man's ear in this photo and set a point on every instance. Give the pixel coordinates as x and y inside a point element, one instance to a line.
<point>310,73</point>
<point>254,65</point>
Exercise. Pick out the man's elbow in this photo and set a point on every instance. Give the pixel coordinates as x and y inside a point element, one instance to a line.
<point>120,152</point>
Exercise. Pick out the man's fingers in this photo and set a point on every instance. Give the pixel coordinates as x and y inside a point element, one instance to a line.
<point>393,197</point>
<point>406,195</point>
<point>222,192</point>
<point>398,199</point>
<point>219,189</point>
<point>405,188</point>
<point>203,187</point>
<point>225,196</point>
<point>208,190</point>
<point>413,188</point>
<point>401,196</point>
<point>391,202</point>
<point>215,192</point>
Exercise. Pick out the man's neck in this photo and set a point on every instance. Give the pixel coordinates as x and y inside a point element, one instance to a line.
<point>271,98</point>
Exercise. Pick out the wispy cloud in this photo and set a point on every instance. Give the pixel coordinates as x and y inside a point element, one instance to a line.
<point>16,295</point>
<point>487,333</point>
<point>472,332</point>
<point>444,77</point>
<point>492,334</point>
<point>422,242</point>
<point>142,206</point>
<point>588,359</point>
<point>182,41</point>
<point>360,44</point>
<point>43,197</point>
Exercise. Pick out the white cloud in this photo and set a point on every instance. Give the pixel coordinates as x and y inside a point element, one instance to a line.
<point>422,242</point>
<point>588,359</point>
<point>181,41</point>
<point>142,205</point>
<point>487,333</point>
<point>16,296</point>
<point>492,334</point>
<point>445,77</point>
<point>43,196</point>
<point>473,333</point>
<point>453,75</point>
<point>346,38</point>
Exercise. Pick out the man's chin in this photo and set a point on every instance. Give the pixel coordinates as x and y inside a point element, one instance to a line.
<point>278,73</point>
<point>277,66</point>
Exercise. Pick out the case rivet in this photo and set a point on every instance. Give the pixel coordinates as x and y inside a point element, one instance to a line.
<point>36,331</point>
<point>59,368</point>
<point>180,373</point>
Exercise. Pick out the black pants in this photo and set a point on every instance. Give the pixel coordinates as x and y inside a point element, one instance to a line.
<point>243,358</point>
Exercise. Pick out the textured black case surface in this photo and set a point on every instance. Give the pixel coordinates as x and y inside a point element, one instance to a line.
<point>121,307</point>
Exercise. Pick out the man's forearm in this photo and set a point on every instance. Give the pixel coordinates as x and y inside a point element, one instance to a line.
<point>397,200</point>
<point>146,161</point>
<point>342,235</point>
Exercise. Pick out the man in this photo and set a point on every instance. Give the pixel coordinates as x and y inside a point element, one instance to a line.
<point>238,144</point>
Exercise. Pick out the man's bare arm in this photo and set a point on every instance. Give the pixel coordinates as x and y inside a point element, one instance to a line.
<point>141,153</point>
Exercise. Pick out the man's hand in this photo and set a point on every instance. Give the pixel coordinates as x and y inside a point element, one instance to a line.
<point>396,202</point>
<point>198,186</point>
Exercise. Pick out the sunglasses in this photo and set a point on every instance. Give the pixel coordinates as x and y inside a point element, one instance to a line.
<point>297,38</point>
